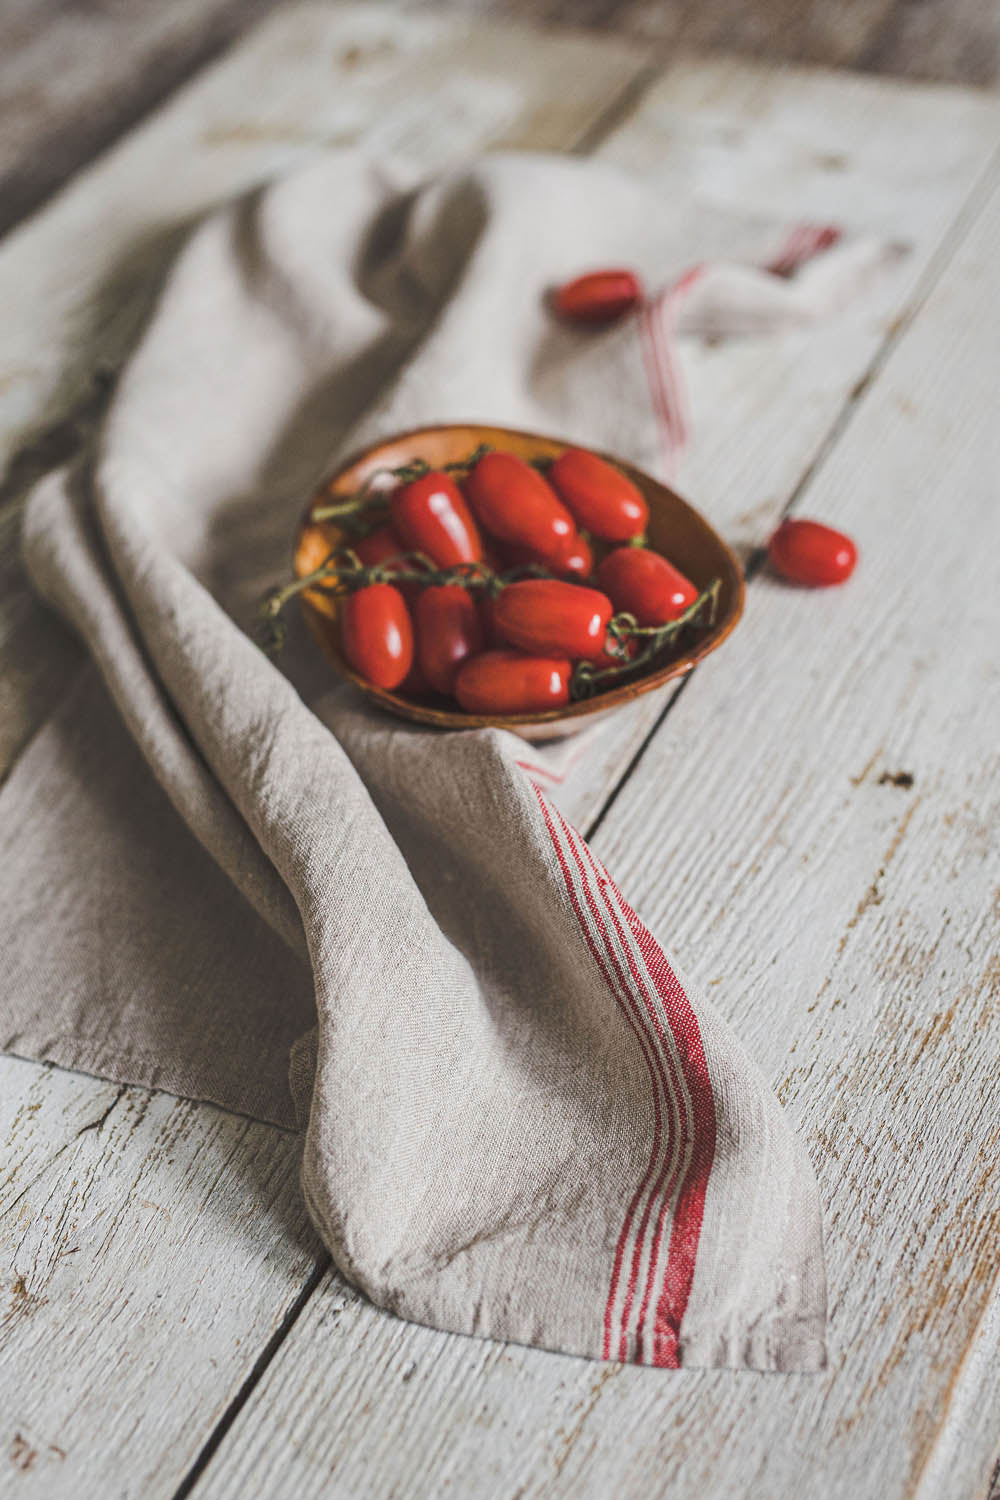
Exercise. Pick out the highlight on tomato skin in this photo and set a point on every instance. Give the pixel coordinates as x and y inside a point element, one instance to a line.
<point>515,504</point>
<point>430,515</point>
<point>546,615</point>
<point>644,584</point>
<point>448,630</point>
<point>810,553</point>
<point>601,499</point>
<point>376,634</point>
<point>509,682</point>
<point>598,297</point>
<point>574,560</point>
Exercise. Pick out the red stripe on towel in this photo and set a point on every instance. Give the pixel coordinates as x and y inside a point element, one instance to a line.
<point>656,336</point>
<point>667,1180</point>
<point>805,241</point>
<point>633,1015</point>
<point>697,1144</point>
<point>689,1212</point>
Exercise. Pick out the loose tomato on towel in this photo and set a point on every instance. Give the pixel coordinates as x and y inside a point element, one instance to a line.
<point>598,296</point>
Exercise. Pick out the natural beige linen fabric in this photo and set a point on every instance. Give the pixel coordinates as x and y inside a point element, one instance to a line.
<point>522,1122</point>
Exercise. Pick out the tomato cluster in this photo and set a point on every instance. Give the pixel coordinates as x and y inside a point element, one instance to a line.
<point>492,582</point>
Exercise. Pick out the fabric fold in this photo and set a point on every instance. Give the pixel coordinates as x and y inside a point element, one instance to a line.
<point>522,1123</point>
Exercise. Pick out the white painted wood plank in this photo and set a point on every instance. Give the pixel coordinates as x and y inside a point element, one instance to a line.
<point>842,923</point>
<point>41,1113</point>
<point>745,149</point>
<point>123,1285</point>
<point>427,89</point>
<point>72,77</point>
<point>77,281</point>
<point>376,1322</point>
<point>143,1270</point>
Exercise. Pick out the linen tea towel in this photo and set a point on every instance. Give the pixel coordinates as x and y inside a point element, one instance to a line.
<point>522,1121</point>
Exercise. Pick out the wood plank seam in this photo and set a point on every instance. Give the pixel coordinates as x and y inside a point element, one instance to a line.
<point>944,253</point>
<point>218,1434</point>
<point>856,395</point>
<point>66,1146</point>
<point>26,192</point>
<point>974,204</point>
<point>72,433</point>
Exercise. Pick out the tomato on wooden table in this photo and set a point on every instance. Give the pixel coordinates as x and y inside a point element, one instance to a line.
<point>546,615</point>
<point>811,553</point>
<point>448,630</point>
<point>598,296</point>
<point>515,504</point>
<point>376,634</point>
<point>508,682</point>
<point>644,584</point>
<point>430,515</point>
<point>602,499</point>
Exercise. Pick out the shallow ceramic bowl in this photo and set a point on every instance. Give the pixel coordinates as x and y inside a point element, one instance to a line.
<point>675,529</point>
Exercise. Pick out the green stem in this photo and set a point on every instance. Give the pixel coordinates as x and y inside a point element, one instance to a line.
<point>404,474</point>
<point>588,679</point>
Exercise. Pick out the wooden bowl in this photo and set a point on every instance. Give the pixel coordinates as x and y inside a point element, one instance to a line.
<point>675,529</point>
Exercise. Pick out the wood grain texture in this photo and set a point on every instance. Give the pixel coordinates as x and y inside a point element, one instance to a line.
<point>957,41</point>
<point>866,987</point>
<point>134,1226</point>
<point>765,150</point>
<point>77,282</point>
<point>116,1206</point>
<point>418,1412</point>
<point>74,76</point>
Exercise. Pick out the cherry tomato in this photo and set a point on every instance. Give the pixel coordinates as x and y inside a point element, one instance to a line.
<point>378,546</point>
<point>376,634</point>
<point>544,614</point>
<point>515,503</point>
<point>809,552</point>
<point>575,560</point>
<point>382,547</point>
<point>601,499</point>
<point>645,585</point>
<point>508,682</point>
<point>430,515</point>
<point>488,623</point>
<point>448,630</point>
<point>598,296</point>
<point>414,684</point>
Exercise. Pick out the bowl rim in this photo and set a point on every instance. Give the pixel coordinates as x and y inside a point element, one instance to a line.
<point>615,697</point>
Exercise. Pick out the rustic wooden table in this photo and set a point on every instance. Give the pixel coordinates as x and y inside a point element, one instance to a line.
<point>818,800</point>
